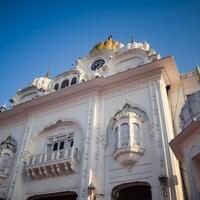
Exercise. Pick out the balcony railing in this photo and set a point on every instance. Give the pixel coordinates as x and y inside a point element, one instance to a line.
<point>52,163</point>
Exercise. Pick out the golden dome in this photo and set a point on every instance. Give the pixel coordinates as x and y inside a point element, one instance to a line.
<point>108,44</point>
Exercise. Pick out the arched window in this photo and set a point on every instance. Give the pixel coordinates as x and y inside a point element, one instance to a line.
<point>56,86</point>
<point>64,84</point>
<point>136,134</point>
<point>125,135</point>
<point>73,81</point>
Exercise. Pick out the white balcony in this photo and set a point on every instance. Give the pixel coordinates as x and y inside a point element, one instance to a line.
<point>52,164</point>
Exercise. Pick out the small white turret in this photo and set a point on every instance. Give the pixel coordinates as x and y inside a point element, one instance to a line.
<point>42,83</point>
<point>146,45</point>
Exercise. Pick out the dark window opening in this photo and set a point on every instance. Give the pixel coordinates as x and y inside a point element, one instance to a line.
<point>73,81</point>
<point>62,145</point>
<point>71,143</point>
<point>64,84</point>
<point>167,89</point>
<point>141,192</point>
<point>56,86</point>
<point>55,147</point>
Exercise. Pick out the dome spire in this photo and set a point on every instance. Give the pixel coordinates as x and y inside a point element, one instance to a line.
<point>132,40</point>
<point>48,73</point>
<point>110,37</point>
<point>108,44</point>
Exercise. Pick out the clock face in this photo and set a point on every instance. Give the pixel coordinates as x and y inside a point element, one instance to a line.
<point>97,64</point>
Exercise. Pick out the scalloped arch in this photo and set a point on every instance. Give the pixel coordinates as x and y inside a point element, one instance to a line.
<point>54,123</point>
<point>129,104</point>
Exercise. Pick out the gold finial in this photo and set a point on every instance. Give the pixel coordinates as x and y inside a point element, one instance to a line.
<point>107,44</point>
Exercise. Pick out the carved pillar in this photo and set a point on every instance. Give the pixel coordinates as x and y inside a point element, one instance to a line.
<point>156,136</point>
<point>7,155</point>
<point>85,173</point>
<point>18,165</point>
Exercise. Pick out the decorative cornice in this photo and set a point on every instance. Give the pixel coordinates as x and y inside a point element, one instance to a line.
<point>189,75</point>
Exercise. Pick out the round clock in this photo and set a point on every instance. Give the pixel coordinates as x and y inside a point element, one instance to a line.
<point>97,64</point>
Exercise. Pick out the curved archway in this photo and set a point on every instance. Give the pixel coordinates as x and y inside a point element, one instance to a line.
<point>61,141</point>
<point>55,196</point>
<point>131,191</point>
<point>67,124</point>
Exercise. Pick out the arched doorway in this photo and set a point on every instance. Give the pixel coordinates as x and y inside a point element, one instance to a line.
<point>132,191</point>
<point>55,196</point>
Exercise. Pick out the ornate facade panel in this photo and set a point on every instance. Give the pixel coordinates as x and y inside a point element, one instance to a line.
<point>97,130</point>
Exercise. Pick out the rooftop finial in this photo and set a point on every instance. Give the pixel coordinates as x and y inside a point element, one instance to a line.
<point>197,67</point>
<point>48,73</point>
<point>110,37</point>
<point>196,64</point>
<point>132,40</point>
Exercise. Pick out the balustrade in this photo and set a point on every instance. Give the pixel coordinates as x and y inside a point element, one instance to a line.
<point>52,163</point>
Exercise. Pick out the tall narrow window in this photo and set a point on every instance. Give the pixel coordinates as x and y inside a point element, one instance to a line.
<point>116,137</point>
<point>125,135</point>
<point>70,141</point>
<point>5,161</point>
<point>55,146</point>
<point>136,133</point>
<point>73,81</point>
<point>62,143</point>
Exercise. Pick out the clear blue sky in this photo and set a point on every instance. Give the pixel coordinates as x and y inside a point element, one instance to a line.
<point>39,34</point>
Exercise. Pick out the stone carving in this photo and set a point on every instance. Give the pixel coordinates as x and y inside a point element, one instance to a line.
<point>7,149</point>
<point>191,110</point>
<point>42,83</point>
<point>52,164</point>
<point>128,156</point>
<point>185,115</point>
<point>194,105</point>
<point>9,144</point>
<point>154,87</point>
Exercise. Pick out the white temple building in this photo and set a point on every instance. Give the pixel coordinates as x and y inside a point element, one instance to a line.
<point>101,131</point>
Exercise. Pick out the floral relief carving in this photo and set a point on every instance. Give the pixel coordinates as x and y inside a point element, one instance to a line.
<point>7,148</point>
